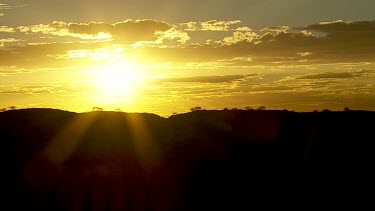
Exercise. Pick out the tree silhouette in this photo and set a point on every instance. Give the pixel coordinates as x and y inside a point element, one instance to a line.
<point>97,109</point>
<point>261,108</point>
<point>248,108</point>
<point>196,109</point>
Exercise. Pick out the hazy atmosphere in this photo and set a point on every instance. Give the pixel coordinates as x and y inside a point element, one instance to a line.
<point>186,104</point>
<point>169,56</point>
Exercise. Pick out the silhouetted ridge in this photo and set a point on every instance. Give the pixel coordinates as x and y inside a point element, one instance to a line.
<point>58,160</point>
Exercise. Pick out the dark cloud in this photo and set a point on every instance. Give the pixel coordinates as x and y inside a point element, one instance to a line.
<point>269,88</point>
<point>342,42</point>
<point>328,75</point>
<point>331,75</point>
<point>210,79</point>
<point>126,32</point>
<point>343,27</point>
<point>354,44</point>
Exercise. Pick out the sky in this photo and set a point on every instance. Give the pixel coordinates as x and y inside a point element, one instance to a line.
<point>168,56</point>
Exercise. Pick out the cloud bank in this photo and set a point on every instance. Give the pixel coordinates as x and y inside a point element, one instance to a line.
<point>160,42</point>
<point>209,79</point>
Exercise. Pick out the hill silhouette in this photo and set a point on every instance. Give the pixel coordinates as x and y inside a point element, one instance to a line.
<point>203,160</point>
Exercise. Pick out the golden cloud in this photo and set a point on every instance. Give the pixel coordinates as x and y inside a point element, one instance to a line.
<point>127,32</point>
<point>276,29</point>
<point>7,40</point>
<point>45,55</point>
<point>172,34</point>
<point>242,34</point>
<point>211,25</point>
<point>342,42</point>
<point>6,29</point>
<point>12,70</point>
<point>4,6</point>
<point>214,25</point>
<point>58,28</point>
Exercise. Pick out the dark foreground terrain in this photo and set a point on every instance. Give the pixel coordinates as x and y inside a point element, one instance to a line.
<point>204,160</point>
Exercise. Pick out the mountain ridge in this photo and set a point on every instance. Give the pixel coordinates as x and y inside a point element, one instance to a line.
<point>60,160</point>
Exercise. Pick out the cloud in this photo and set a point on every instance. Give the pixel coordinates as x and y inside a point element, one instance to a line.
<point>211,25</point>
<point>343,42</point>
<point>113,53</point>
<point>172,34</point>
<point>4,6</point>
<point>128,31</point>
<point>355,43</point>
<point>215,25</point>
<point>209,79</point>
<point>242,34</point>
<point>8,40</point>
<point>275,29</point>
<point>12,70</point>
<point>190,26</point>
<point>365,72</point>
<point>328,75</point>
<point>36,90</point>
<point>159,42</point>
<point>338,75</point>
<point>58,28</point>
<point>42,55</point>
<point>6,29</point>
<point>341,26</point>
<point>269,88</point>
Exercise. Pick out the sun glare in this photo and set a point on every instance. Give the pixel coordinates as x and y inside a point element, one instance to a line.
<point>117,83</point>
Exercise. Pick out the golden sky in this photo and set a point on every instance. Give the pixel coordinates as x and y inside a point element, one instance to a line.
<point>168,56</point>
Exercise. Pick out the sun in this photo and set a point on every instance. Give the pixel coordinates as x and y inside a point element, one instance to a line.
<point>117,82</point>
